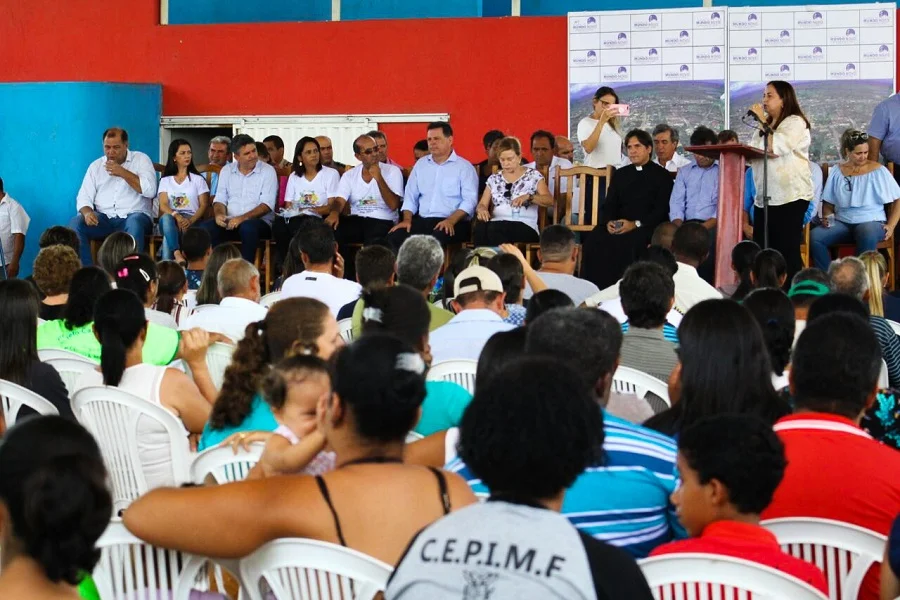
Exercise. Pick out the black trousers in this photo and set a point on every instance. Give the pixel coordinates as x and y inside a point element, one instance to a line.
<point>494,233</point>
<point>785,232</point>
<point>359,230</point>
<point>425,226</point>
<point>283,231</point>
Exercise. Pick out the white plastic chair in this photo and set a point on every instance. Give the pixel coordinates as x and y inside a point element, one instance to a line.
<point>631,381</point>
<point>112,416</point>
<point>459,371</point>
<point>346,328</point>
<point>223,464</point>
<point>70,370</point>
<point>883,381</point>
<point>842,551</point>
<point>218,357</point>
<point>51,353</point>
<point>13,397</point>
<point>294,569</point>
<point>894,325</point>
<point>269,299</point>
<point>412,436</point>
<point>130,568</point>
<point>691,576</point>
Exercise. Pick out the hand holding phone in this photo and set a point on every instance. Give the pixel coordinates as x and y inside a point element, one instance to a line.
<point>622,110</point>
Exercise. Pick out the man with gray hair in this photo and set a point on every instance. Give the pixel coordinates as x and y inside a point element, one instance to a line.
<point>419,265</point>
<point>239,288</point>
<point>559,257</point>
<point>848,276</point>
<point>219,155</point>
<point>665,142</point>
<point>381,145</point>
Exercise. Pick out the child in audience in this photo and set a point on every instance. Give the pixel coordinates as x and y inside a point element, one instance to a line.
<point>730,466</point>
<point>170,293</point>
<point>196,249</point>
<point>293,390</point>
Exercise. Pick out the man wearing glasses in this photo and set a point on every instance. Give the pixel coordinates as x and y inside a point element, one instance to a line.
<point>374,191</point>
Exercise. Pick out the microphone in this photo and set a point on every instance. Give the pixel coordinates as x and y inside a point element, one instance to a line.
<point>756,118</point>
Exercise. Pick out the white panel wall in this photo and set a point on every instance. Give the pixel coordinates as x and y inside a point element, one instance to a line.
<point>341,131</point>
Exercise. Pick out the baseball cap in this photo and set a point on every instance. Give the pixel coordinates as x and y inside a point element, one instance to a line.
<point>477,279</point>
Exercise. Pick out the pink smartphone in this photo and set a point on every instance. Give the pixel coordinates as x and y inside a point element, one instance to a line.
<point>622,109</point>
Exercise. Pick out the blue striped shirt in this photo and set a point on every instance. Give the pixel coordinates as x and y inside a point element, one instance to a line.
<point>623,501</point>
<point>670,332</point>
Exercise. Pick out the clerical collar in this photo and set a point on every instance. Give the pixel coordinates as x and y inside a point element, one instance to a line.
<point>639,167</point>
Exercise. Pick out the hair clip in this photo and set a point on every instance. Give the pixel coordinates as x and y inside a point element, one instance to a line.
<point>123,272</point>
<point>372,314</point>
<point>145,275</point>
<point>410,361</point>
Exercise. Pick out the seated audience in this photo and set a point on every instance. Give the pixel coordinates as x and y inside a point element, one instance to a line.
<point>479,302</point>
<point>208,292</point>
<point>374,269</point>
<point>508,209</point>
<point>292,326</point>
<point>636,202</point>
<point>381,145</point>
<point>374,191</point>
<point>648,294</point>
<point>219,154</point>
<point>275,147</point>
<point>695,196</point>
<point>116,195</point>
<point>263,153</point>
<point>53,236</point>
<point>502,349</point>
<point>19,362</point>
<point>73,331</point>
<point>743,256</point>
<point>559,258</point>
<point>138,273</point>
<point>881,302</point>
<point>196,249</point>
<point>53,271</point>
<point>665,142</point>
<point>322,277</point>
<point>379,385</point>
<point>403,313</point>
<point>439,205</point>
<point>564,148</point>
<point>769,270</point>
<point>543,145</point>
<point>730,466</point>
<point>512,277</point>
<point>691,249</point>
<point>807,286</point>
<point>113,249</point>
<point>848,276</point>
<point>326,148</point>
<point>310,195</point>
<point>835,470</point>
<point>183,196</point>
<point>544,402</point>
<point>489,165</point>
<point>121,328</point>
<point>239,288</point>
<point>774,313</point>
<point>461,259</point>
<point>291,265</point>
<point>853,201</point>
<point>723,367</point>
<point>890,564</point>
<point>623,497</point>
<point>420,262</point>
<point>420,149</point>
<point>171,291</point>
<point>545,301</point>
<point>56,505</point>
<point>244,199</point>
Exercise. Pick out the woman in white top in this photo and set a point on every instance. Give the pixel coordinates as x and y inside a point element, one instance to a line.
<point>121,328</point>
<point>600,134</point>
<point>137,273</point>
<point>790,181</point>
<point>311,192</point>
<point>508,210</point>
<point>183,196</point>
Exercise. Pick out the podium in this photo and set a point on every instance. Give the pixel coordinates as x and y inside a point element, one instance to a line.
<point>729,231</point>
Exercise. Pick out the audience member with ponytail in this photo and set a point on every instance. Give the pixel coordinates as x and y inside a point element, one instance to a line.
<point>743,256</point>
<point>402,311</point>
<point>170,295</point>
<point>55,506</point>
<point>121,328</point>
<point>208,293</point>
<point>769,270</point>
<point>73,332</point>
<point>292,326</point>
<point>371,502</point>
<point>774,312</point>
<point>137,272</point>
<point>881,303</point>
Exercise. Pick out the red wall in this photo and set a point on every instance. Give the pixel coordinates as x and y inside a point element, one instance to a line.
<point>487,73</point>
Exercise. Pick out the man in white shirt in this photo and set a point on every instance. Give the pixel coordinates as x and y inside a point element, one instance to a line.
<point>691,247</point>
<point>323,274</point>
<point>665,142</point>
<point>239,288</point>
<point>116,195</point>
<point>245,199</point>
<point>374,190</point>
<point>479,302</point>
<point>559,256</point>
<point>565,148</point>
<point>14,223</point>
<point>381,144</point>
<point>219,154</point>
<point>543,144</point>
<point>275,146</point>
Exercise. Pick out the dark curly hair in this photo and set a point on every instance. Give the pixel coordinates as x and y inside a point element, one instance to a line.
<point>53,269</point>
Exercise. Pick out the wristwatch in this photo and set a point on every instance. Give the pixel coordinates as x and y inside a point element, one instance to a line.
<point>637,224</point>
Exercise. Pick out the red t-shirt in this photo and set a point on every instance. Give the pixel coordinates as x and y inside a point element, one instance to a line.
<point>750,542</point>
<point>837,471</point>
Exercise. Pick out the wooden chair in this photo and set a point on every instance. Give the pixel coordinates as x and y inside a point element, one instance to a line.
<point>546,217</point>
<point>207,171</point>
<point>601,176</point>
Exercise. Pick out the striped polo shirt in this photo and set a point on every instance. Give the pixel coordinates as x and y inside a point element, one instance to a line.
<point>624,499</point>
<point>670,332</point>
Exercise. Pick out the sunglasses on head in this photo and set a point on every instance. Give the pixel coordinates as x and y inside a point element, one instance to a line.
<point>508,192</point>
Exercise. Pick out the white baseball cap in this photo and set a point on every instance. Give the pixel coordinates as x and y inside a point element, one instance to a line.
<point>477,279</point>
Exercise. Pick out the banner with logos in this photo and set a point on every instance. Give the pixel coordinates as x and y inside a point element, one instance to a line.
<point>820,50</point>
<point>669,65</point>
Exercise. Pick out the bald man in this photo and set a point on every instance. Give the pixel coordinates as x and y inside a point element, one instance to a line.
<point>564,148</point>
<point>326,151</point>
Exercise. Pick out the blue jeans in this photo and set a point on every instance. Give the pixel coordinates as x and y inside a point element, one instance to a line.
<point>248,234</point>
<point>138,225</point>
<point>171,234</point>
<point>865,235</point>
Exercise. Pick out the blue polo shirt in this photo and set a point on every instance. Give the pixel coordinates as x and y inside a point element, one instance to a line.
<point>885,126</point>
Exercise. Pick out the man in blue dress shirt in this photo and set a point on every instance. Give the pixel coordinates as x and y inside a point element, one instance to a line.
<point>884,132</point>
<point>441,194</point>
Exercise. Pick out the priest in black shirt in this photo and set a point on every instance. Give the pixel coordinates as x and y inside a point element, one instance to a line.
<point>637,201</point>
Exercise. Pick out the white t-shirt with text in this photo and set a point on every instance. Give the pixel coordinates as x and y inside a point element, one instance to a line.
<point>302,196</point>
<point>365,198</point>
<point>184,198</point>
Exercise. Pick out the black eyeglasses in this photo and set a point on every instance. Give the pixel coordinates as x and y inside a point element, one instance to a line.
<point>848,183</point>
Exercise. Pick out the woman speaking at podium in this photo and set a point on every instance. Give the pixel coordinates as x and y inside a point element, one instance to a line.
<point>790,185</point>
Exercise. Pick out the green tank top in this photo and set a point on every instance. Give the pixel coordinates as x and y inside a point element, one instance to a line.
<point>160,347</point>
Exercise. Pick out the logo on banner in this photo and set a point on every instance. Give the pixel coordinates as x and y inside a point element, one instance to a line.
<point>777,71</point>
<point>883,53</point>
<point>683,39</point>
<point>713,55</point>
<point>586,58</point>
<point>651,58</point>
<point>847,72</point>
<point>816,20</point>
<point>883,18</point>
<point>620,41</point>
<point>751,22</point>
<point>681,73</point>
<point>847,37</point>
<point>652,22</point>
<point>751,57</point>
<point>584,24</point>
<point>783,38</point>
<point>814,56</point>
<point>713,19</point>
<point>614,74</point>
